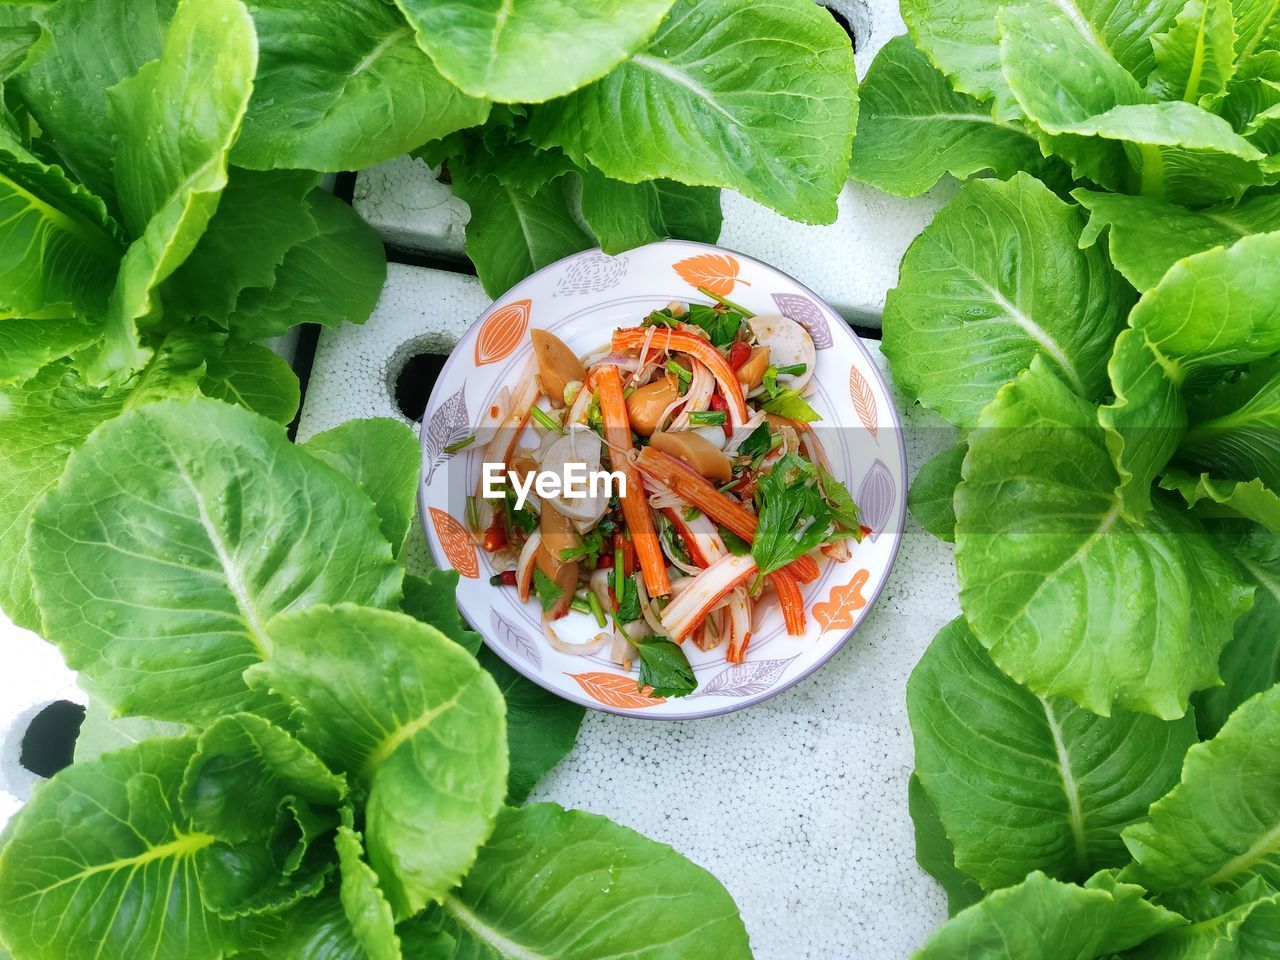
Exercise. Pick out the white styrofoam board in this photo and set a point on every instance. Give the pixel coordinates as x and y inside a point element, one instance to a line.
<point>799,803</point>
<point>850,263</point>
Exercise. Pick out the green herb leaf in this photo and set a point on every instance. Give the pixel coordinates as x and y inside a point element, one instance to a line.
<point>932,492</point>
<point>794,518</point>
<point>734,543</point>
<point>844,512</point>
<point>759,441</point>
<point>170,172</point>
<point>664,667</point>
<point>790,404</point>
<point>545,588</point>
<point>629,601</point>
<point>721,325</point>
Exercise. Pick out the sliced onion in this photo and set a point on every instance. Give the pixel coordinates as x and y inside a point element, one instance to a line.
<point>747,429</point>
<point>594,645</point>
<point>524,566</point>
<point>504,559</point>
<point>653,621</point>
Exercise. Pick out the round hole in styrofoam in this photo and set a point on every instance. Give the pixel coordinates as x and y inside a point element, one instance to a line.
<point>49,743</point>
<point>413,381</point>
<point>854,16</point>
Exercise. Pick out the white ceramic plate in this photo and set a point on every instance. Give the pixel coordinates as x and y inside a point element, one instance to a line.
<point>582,299</point>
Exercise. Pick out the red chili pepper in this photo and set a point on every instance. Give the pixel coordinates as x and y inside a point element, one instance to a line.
<point>508,578</point>
<point>717,402</point>
<point>495,538</point>
<point>739,353</point>
<point>866,531</point>
<point>604,561</point>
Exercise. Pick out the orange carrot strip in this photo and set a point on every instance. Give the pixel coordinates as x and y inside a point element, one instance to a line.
<point>792,603</point>
<point>702,351</point>
<point>635,505</point>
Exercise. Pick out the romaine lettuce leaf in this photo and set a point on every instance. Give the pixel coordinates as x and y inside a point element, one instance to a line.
<point>913,129</point>
<point>175,534</point>
<point>935,852</point>
<point>343,86</point>
<point>1071,598</point>
<point>689,109</point>
<point>502,52</point>
<point>1146,237</point>
<point>1196,56</point>
<point>620,883</point>
<point>430,749</point>
<point>1050,920</point>
<point>995,280</point>
<point>177,118</point>
<point>1219,826</point>
<point>1024,783</point>
<point>626,215</point>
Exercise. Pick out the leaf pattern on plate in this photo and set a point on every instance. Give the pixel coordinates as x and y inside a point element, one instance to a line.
<point>716,272</point>
<point>744,679</point>
<point>864,401</point>
<point>616,690</point>
<point>515,640</point>
<point>591,273</point>
<point>458,546</point>
<point>876,498</point>
<point>449,424</point>
<point>836,612</point>
<point>501,332</point>
<point>802,310</point>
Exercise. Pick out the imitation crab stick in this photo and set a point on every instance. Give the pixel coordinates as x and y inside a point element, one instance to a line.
<point>790,599</point>
<point>701,350</point>
<point>690,486</point>
<point>687,611</point>
<point>635,505</point>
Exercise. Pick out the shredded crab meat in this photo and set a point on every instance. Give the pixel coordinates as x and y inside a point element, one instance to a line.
<point>704,595</point>
<point>644,353</point>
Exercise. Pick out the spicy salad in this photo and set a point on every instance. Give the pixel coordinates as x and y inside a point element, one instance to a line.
<point>728,494</point>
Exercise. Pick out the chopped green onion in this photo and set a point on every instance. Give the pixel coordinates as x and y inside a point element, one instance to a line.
<point>545,419</point>
<point>582,606</point>
<point>473,514</point>
<point>726,302</point>
<point>460,444</point>
<point>683,375</point>
<point>597,611</point>
<point>618,575</point>
<point>708,418</point>
<point>794,369</point>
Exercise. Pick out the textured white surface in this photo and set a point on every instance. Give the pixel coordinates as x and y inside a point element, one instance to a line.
<point>32,677</point>
<point>850,263</point>
<point>797,804</point>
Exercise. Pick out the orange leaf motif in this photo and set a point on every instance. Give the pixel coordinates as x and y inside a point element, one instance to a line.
<point>616,690</point>
<point>864,400</point>
<point>714,271</point>
<point>836,612</point>
<point>502,331</point>
<point>458,545</point>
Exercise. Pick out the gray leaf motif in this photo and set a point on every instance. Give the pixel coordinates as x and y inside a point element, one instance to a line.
<point>744,679</point>
<point>590,273</point>
<point>446,426</point>
<point>515,641</point>
<point>876,498</point>
<point>808,314</point>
